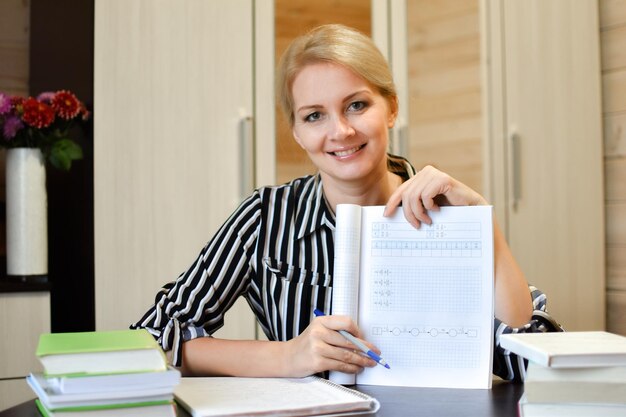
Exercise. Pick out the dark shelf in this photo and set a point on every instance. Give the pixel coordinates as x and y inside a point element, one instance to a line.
<point>16,286</point>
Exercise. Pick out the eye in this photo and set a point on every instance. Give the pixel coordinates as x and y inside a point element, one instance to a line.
<point>313,117</point>
<point>357,106</point>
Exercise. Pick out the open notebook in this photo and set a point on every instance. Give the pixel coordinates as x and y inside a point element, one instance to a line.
<point>230,396</point>
<point>423,296</point>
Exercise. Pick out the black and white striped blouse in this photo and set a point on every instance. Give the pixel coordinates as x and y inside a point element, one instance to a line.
<point>276,250</point>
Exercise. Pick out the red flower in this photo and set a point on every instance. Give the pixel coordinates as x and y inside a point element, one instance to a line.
<point>16,103</point>
<point>37,114</point>
<point>66,104</point>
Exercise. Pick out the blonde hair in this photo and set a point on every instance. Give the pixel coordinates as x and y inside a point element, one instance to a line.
<point>336,44</point>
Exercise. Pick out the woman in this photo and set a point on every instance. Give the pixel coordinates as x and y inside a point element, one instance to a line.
<point>276,250</point>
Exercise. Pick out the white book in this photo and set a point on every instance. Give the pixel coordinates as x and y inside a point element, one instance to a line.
<point>113,382</point>
<point>423,296</point>
<point>231,396</point>
<point>540,409</point>
<point>591,385</point>
<point>568,349</point>
<point>92,399</point>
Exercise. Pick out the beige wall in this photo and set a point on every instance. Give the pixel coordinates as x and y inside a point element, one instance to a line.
<point>613,47</point>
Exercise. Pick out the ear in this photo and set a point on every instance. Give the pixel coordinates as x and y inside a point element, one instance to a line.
<point>393,111</point>
<point>296,137</point>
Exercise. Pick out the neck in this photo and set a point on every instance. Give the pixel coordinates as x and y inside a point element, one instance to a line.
<point>373,191</point>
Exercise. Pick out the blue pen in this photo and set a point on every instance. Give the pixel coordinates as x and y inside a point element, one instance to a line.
<point>357,343</point>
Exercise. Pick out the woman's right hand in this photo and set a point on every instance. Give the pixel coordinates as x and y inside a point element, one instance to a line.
<point>322,348</point>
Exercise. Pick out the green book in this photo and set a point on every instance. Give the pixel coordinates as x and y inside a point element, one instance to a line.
<point>96,353</point>
<point>145,409</point>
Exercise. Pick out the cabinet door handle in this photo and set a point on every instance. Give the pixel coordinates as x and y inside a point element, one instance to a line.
<point>515,172</point>
<point>246,156</point>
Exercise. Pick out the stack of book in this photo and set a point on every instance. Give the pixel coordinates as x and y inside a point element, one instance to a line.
<point>103,374</point>
<point>571,373</point>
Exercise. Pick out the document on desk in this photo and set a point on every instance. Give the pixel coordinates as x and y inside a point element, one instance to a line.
<point>423,296</point>
<point>230,396</point>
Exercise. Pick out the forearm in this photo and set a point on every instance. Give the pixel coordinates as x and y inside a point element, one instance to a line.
<point>207,356</point>
<point>513,303</point>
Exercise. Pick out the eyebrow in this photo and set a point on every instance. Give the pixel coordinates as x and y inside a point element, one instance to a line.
<point>349,97</point>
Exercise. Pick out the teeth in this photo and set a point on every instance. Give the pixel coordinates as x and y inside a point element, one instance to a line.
<point>347,152</point>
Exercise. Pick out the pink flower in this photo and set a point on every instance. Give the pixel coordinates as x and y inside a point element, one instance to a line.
<point>12,125</point>
<point>37,114</point>
<point>5,104</point>
<point>66,104</point>
<point>46,97</point>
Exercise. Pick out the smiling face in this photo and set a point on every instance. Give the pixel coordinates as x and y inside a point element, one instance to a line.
<point>342,122</point>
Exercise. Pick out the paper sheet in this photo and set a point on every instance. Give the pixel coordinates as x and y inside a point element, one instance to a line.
<point>425,296</point>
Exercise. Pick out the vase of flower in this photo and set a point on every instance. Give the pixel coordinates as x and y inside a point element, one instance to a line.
<point>34,130</point>
<point>26,214</point>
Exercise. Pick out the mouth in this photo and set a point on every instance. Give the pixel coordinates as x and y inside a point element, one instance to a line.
<point>347,152</point>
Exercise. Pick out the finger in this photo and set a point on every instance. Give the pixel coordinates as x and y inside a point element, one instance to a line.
<point>353,357</point>
<point>414,207</point>
<point>333,337</point>
<point>339,322</point>
<point>409,211</point>
<point>350,354</point>
<point>394,200</point>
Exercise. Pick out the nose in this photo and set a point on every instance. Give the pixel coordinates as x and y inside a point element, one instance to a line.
<point>340,128</point>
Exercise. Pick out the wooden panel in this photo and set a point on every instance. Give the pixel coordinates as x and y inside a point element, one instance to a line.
<point>616,312</point>
<point>451,106</point>
<point>463,52</point>
<point>14,62</point>
<point>427,10</point>
<point>452,80</point>
<point>616,267</point>
<point>443,132</point>
<point>613,48</point>
<point>613,21</point>
<point>430,34</point>
<point>293,18</point>
<point>14,392</point>
<point>614,134</point>
<point>24,317</point>
<point>444,88</point>
<point>616,223</point>
<point>14,38</point>
<point>612,12</point>
<point>178,177</point>
<point>14,21</point>
<point>556,113</point>
<point>615,179</point>
<point>614,91</point>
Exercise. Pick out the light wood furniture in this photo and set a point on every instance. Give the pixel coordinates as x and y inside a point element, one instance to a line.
<point>184,98</point>
<point>541,137</point>
<point>25,315</point>
<point>543,129</point>
<point>613,43</point>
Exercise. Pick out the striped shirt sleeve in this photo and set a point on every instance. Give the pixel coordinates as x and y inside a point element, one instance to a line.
<point>194,305</point>
<point>508,365</point>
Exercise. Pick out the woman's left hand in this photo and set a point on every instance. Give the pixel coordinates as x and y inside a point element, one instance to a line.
<point>428,190</point>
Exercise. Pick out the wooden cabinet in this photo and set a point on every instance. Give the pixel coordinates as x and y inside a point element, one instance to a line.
<point>544,135</point>
<point>184,104</point>
<point>539,153</point>
<point>25,315</point>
